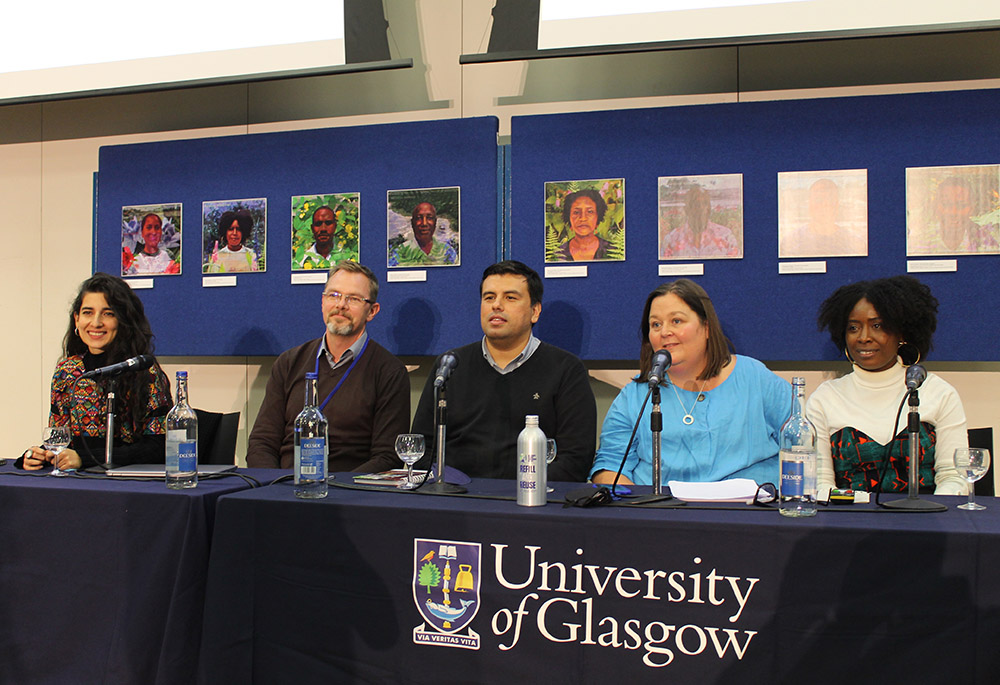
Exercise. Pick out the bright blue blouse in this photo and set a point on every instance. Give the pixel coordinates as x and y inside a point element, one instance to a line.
<point>734,435</point>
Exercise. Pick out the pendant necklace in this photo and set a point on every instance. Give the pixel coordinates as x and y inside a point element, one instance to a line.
<point>688,415</point>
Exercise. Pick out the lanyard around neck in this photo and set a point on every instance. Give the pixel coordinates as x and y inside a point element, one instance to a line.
<point>342,378</point>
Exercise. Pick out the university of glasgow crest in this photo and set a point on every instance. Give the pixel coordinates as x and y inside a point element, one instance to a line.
<point>446,577</point>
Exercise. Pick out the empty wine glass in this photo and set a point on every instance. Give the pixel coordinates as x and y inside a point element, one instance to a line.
<point>550,456</point>
<point>409,447</point>
<point>972,463</point>
<point>56,439</point>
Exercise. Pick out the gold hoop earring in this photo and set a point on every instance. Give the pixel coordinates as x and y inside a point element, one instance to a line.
<point>910,347</point>
<point>848,355</point>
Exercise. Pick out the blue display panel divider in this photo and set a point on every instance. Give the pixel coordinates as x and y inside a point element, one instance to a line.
<point>767,315</point>
<point>264,313</point>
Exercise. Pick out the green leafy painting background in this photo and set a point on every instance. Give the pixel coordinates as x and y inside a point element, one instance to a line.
<point>611,229</point>
<point>347,236</point>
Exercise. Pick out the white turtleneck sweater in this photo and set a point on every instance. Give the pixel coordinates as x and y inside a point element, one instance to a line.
<point>867,401</point>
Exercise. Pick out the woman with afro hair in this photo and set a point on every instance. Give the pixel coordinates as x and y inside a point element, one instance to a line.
<point>883,326</point>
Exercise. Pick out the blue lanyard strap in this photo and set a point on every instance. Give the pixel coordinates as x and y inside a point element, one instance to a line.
<point>342,378</point>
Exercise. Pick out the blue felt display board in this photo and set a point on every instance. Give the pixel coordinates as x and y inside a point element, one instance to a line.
<point>264,314</point>
<point>767,315</point>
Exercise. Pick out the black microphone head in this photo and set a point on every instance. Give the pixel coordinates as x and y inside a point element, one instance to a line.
<point>658,368</point>
<point>137,363</point>
<point>143,361</point>
<point>915,376</point>
<point>446,363</point>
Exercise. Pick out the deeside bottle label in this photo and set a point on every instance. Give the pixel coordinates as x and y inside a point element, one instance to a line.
<point>792,479</point>
<point>312,457</point>
<point>187,456</point>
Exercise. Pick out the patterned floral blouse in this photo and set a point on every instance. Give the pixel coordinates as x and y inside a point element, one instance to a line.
<point>83,409</point>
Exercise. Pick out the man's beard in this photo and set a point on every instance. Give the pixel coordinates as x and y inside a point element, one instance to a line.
<point>340,329</point>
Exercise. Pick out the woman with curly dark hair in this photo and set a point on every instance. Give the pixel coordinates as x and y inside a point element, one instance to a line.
<point>883,326</point>
<point>107,325</point>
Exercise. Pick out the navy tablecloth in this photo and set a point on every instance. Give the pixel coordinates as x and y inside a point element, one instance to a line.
<point>101,580</point>
<point>337,590</point>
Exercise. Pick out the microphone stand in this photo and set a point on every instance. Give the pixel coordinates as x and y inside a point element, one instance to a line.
<point>440,425</point>
<point>912,501</point>
<point>656,426</point>
<point>109,436</point>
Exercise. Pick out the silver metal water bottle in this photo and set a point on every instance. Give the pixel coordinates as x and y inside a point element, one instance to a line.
<point>531,465</point>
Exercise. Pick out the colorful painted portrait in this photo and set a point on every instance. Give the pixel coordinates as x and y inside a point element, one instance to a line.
<point>423,228</point>
<point>585,221</point>
<point>823,213</point>
<point>325,230</point>
<point>234,236</point>
<point>953,210</point>
<point>151,240</point>
<point>701,217</point>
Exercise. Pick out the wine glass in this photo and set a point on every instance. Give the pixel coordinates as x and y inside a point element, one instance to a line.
<point>56,439</point>
<point>972,463</point>
<point>550,456</point>
<point>409,447</point>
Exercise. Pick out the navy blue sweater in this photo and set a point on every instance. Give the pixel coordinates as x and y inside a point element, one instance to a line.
<point>486,411</point>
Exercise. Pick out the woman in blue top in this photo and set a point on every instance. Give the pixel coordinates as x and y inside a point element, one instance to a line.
<point>722,412</point>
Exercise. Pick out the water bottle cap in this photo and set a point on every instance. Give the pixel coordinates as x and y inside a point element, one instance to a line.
<point>182,374</point>
<point>311,375</point>
<point>531,420</point>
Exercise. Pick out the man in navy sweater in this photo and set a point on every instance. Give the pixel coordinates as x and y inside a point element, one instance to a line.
<point>504,377</point>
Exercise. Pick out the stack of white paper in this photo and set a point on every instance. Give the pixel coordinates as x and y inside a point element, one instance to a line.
<point>732,490</point>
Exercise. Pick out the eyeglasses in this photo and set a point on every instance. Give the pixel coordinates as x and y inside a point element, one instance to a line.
<point>333,297</point>
<point>766,495</point>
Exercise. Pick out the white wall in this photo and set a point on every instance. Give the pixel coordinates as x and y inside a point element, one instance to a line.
<point>21,307</point>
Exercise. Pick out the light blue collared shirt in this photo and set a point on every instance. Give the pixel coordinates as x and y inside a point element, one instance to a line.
<point>529,349</point>
<point>349,354</point>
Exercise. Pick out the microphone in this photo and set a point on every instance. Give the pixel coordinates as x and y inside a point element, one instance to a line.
<point>661,362</point>
<point>143,361</point>
<point>915,376</point>
<point>446,364</point>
